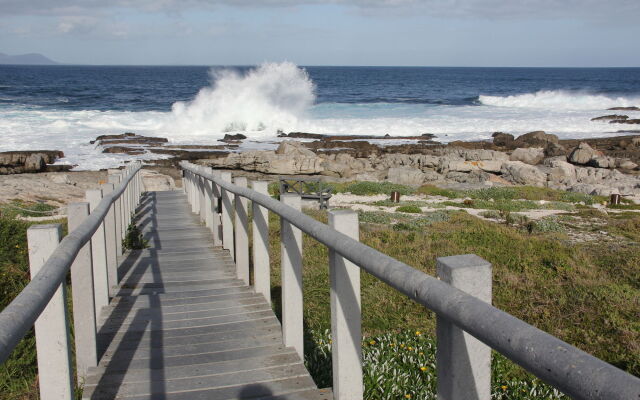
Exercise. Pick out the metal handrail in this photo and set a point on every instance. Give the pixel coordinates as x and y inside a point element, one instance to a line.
<point>20,315</point>
<point>569,369</point>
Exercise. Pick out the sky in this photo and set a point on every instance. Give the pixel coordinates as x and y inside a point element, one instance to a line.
<point>534,33</point>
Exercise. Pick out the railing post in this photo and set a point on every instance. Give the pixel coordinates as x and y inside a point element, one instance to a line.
<point>117,208</point>
<point>241,238</point>
<point>110,242</point>
<point>261,268</point>
<point>291,270</point>
<point>208,201</point>
<point>227,224</point>
<point>346,348</point>
<point>215,204</point>
<point>99,256</point>
<point>126,209</point>
<point>84,313</point>
<point>202,197</point>
<point>52,326</point>
<point>463,362</point>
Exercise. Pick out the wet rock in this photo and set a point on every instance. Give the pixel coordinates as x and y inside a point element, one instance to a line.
<point>531,155</point>
<point>405,176</point>
<point>624,109</point>
<point>523,174</point>
<point>238,137</point>
<point>502,139</point>
<point>625,121</point>
<point>535,139</point>
<point>128,138</point>
<point>610,117</point>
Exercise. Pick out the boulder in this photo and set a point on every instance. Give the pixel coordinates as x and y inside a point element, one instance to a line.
<point>626,164</point>
<point>270,162</point>
<point>523,174</point>
<point>448,164</point>
<point>535,139</point>
<point>554,150</point>
<point>233,138</point>
<point>531,155</point>
<point>293,148</point>
<point>623,109</point>
<point>17,162</point>
<point>583,154</point>
<point>405,176</point>
<point>602,162</point>
<point>561,172</point>
<point>502,139</point>
<point>625,121</point>
<point>490,165</point>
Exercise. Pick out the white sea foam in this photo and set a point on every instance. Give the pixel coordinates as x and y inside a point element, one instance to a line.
<point>270,97</point>
<point>560,100</point>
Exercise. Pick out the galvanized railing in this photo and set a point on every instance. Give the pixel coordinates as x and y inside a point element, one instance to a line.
<point>90,251</point>
<point>468,326</point>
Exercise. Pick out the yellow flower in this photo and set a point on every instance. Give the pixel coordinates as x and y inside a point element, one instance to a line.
<point>418,333</point>
<point>407,396</point>
<point>421,354</point>
<point>402,345</point>
<point>391,344</point>
<point>423,369</point>
<point>410,348</point>
<point>503,387</point>
<point>17,246</point>
<point>372,342</point>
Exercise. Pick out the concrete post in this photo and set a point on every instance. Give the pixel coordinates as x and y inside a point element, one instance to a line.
<point>215,203</point>
<point>241,238</point>
<point>291,270</point>
<point>52,326</point>
<point>110,241</point>
<point>464,363</point>
<point>194,194</point>
<point>202,198</point>
<point>99,256</point>
<point>84,313</point>
<point>117,208</point>
<point>261,269</point>
<point>126,204</point>
<point>209,200</point>
<point>227,224</point>
<point>346,350</point>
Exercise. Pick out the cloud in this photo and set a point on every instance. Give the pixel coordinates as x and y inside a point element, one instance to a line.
<point>591,9</point>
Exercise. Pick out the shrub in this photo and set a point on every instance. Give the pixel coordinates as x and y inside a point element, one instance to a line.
<point>516,219</point>
<point>493,214</point>
<point>373,217</point>
<point>409,209</point>
<point>544,225</point>
<point>133,239</point>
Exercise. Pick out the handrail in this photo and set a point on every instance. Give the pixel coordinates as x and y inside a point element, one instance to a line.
<point>571,370</point>
<point>20,315</point>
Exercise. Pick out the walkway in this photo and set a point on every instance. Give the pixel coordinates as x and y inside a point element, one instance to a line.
<point>181,326</point>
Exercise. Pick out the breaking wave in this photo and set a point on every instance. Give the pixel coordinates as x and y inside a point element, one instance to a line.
<point>559,100</point>
<point>270,97</point>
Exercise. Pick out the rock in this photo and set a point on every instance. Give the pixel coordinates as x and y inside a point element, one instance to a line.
<point>405,176</point>
<point>531,155</point>
<point>562,172</point>
<point>502,139</point>
<point>610,117</point>
<point>624,109</point>
<point>269,162</point>
<point>625,121</point>
<point>626,164</point>
<point>535,139</point>
<point>602,162</point>
<point>523,174</point>
<point>582,154</point>
<point>554,150</point>
<point>456,165</point>
<point>431,175</point>
<point>17,162</point>
<point>233,138</point>
<point>128,138</point>
<point>290,147</point>
<point>60,178</point>
<point>490,165</point>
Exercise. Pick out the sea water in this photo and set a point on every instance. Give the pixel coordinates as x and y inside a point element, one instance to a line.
<point>64,107</point>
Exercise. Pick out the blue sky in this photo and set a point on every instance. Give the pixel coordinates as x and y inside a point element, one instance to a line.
<point>335,32</point>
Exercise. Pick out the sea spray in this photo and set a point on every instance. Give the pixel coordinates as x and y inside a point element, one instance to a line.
<point>559,100</point>
<point>270,97</point>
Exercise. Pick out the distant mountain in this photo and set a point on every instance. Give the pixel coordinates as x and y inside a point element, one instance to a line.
<point>31,58</point>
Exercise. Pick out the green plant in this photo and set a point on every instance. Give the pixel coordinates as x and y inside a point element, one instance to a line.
<point>402,365</point>
<point>409,209</point>
<point>133,240</point>
<point>431,190</point>
<point>371,188</point>
<point>548,224</point>
<point>493,214</point>
<point>516,219</point>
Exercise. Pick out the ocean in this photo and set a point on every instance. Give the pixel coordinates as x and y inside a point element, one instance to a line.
<point>64,107</point>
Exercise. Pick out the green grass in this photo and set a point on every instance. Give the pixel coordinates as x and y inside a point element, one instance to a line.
<point>534,194</point>
<point>431,190</point>
<point>18,372</point>
<point>586,294</point>
<point>26,209</point>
